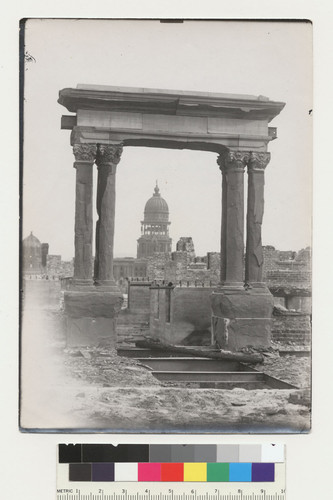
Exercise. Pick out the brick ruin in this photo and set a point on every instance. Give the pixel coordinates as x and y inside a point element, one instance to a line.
<point>183,268</point>
<point>288,277</point>
<point>189,280</point>
<point>38,263</point>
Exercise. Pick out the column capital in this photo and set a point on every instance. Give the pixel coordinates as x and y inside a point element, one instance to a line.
<point>233,160</point>
<point>109,155</point>
<point>258,161</point>
<point>85,152</point>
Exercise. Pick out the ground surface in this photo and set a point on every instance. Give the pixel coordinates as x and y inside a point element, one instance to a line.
<point>96,389</point>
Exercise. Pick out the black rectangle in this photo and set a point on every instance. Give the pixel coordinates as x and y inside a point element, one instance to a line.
<point>80,472</point>
<point>69,453</point>
<point>110,453</point>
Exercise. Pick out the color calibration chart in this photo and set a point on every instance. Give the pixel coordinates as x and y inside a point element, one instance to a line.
<point>171,472</point>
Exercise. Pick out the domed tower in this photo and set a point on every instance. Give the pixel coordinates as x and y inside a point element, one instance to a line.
<point>32,255</point>
<point>154,227</point>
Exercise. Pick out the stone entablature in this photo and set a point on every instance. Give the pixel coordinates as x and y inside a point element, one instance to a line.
<point>163,118</point>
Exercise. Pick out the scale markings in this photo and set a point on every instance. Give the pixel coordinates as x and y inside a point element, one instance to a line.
<point>184,496</point>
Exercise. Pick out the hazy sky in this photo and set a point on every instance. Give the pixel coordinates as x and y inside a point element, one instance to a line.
<point>271,59</point>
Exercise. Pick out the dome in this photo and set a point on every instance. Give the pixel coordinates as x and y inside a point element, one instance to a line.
<point>156,208</point>
<point>31,241</point>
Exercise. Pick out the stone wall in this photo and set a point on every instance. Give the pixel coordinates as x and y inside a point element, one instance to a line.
<point>291,277</point>
<point>53,265</point>
<point>185,244</point>
<point>178,267</point>
<point>294,266</point>
<point>128,267</point>
<point>288,277</point>
<point>214,265</point>
<point>159,267</point>
<point>292,328</point>
<point>59,268</point>
<point>133,321</point>
<point>138,296</point>
<point>67,268</point>
<point>181,315</point>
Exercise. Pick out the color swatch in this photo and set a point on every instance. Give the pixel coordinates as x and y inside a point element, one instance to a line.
<point>140,453</point>
<point>171,463</point>
<point>172,472</point>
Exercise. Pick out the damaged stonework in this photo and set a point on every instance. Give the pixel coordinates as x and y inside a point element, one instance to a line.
<point>181,316</point>
<point>242,318</point>
<point>91,316</point>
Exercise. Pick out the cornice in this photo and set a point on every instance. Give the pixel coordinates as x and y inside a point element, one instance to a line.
<point>164,102</point>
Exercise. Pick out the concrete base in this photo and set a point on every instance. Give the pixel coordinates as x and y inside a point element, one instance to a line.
<point>91,316</point>
<point>242,318</point>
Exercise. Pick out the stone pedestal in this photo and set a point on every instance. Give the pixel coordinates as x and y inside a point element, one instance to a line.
<point>241,317</point>
<point>91,316</point>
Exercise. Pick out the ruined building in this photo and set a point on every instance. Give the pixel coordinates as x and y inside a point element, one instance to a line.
<point>36,260</point>
<point>34,255</point>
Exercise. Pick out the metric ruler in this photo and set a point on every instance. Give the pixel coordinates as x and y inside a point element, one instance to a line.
<point>105,472</point>
<point>239,491</point>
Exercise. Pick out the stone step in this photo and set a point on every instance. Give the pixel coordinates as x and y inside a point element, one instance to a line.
<point>192,364</point>
<point>208,376</point>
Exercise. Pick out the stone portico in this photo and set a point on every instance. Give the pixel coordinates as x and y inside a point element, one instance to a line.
<point>235,127</point>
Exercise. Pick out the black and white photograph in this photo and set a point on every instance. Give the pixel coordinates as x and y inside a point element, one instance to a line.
<point>166,226</point>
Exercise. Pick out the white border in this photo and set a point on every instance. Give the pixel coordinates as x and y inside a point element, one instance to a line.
<point>28,462</point>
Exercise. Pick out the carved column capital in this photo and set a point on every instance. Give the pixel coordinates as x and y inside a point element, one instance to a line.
<point>85,152</point>
<point>233,160</point>
<point>258,161</point>
<point>108,155</point>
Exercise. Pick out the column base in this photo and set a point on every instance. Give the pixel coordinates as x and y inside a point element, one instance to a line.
<point>82,282</point>
<point>91,316</point>
<point>106,285</point>
<point>232,285</point>
<point>242,317</point>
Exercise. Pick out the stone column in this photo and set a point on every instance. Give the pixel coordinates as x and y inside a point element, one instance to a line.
<point>108,157</point>
<point>84,159</point>
<point>255,210</point>
<point>232,164</point>
<point>223,252</point>
<point>241,316</point>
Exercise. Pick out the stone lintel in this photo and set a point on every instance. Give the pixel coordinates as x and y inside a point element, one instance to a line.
<point>215,143</point>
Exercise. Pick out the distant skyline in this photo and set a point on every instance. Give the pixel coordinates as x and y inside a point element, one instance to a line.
<point>271,59</point>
